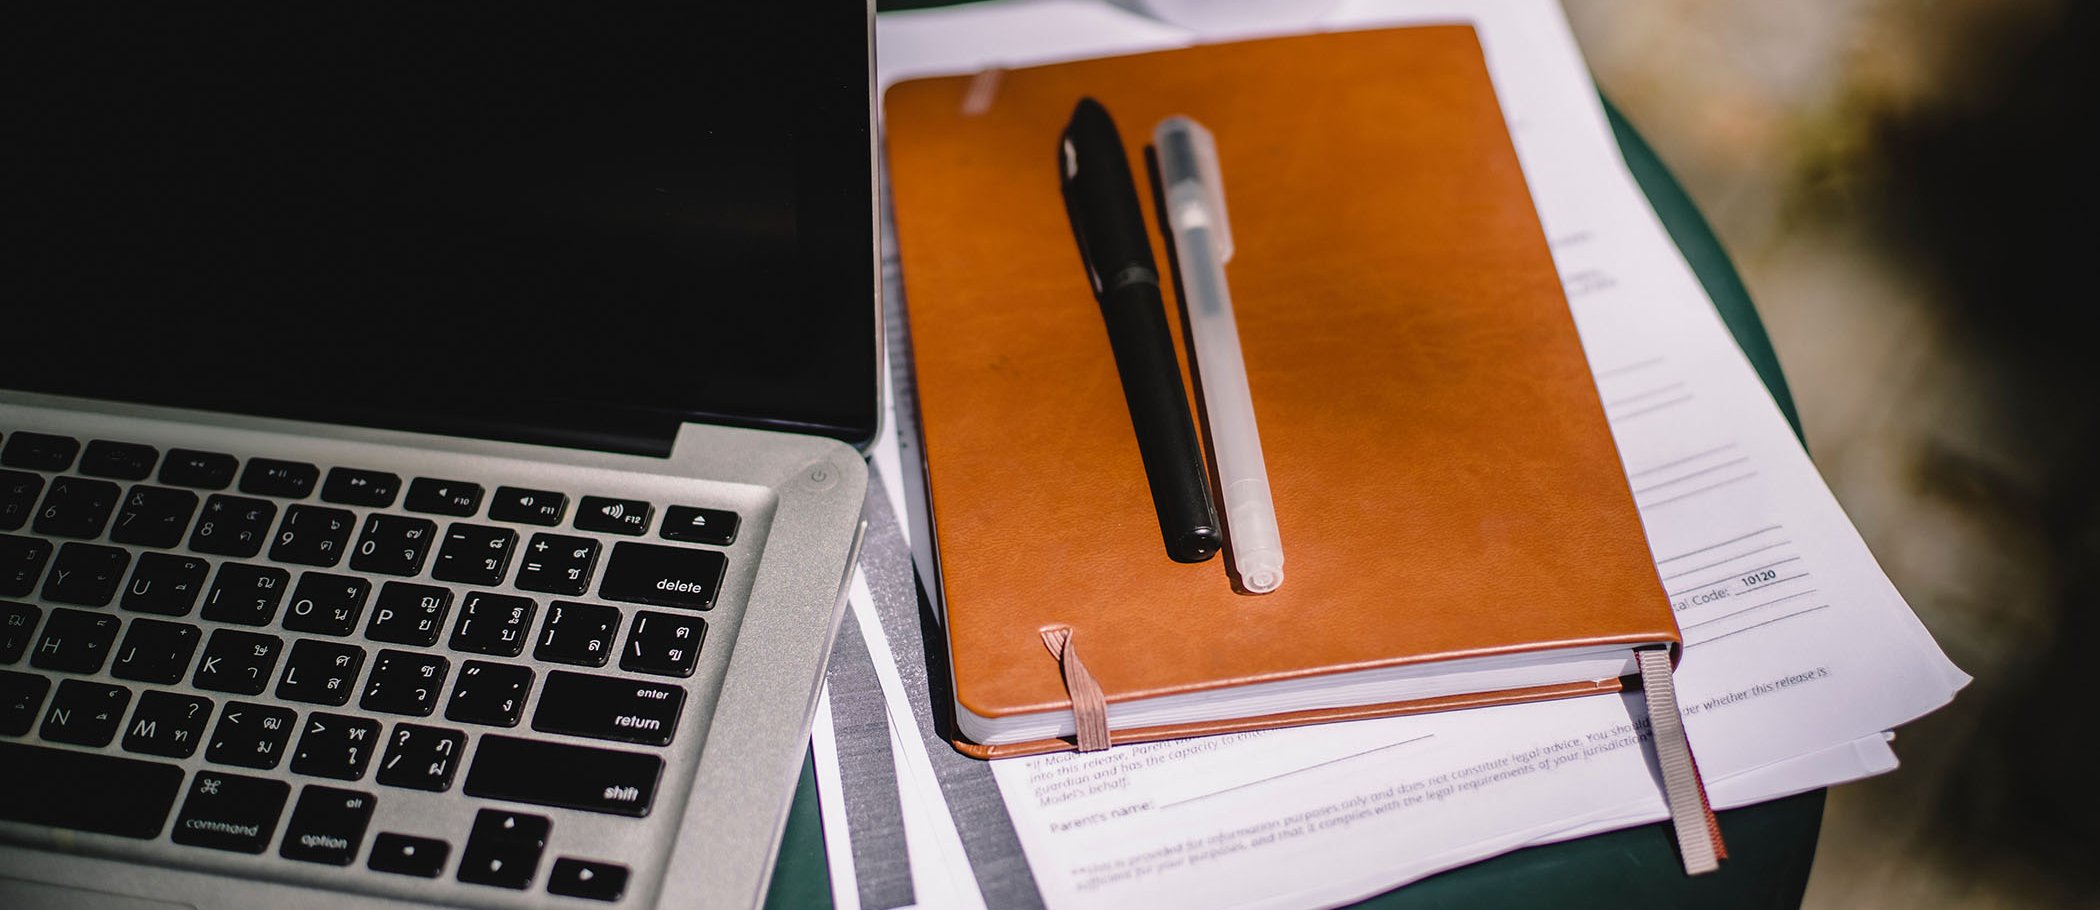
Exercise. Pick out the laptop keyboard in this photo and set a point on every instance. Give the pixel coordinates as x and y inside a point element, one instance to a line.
<point>181,628</point>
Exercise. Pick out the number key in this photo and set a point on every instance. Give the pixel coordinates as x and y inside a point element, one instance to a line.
<point>18,493</point>
<point>313,535</point>
<point>76,507</point>
<point>154,516</point>
<point>232,526</point>
<point>393,545</point>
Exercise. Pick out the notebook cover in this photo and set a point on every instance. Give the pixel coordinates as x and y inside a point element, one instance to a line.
<point>1445,482</point>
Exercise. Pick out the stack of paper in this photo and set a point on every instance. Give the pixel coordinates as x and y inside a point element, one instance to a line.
<point>1800,654</point>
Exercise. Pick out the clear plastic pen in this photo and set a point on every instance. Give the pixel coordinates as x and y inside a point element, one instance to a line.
<point>1188,166</point>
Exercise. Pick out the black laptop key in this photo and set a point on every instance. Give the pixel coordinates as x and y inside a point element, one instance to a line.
<point>504,849</point>
<point>578,633</point>
<point>327,604</point>
<point>238,662</point>
<point>554,564</point>
<point>663,576</point>
<point>88,791</point>
<point>86,574</point>
<point>590,779</point>
<point>251,736</point>
<point>246,594</point>
<point>166,583</point>
<point>18,496</point>
<point>17,627</point>
<point>76,507</point>
<point>405,682</point>
<point>327,826</point>
<point>422,758</point>
<point>74,641</point>
<point>201,470</point>
<point>495,624</point>
<point>695,525</point>
<point>39,451</point>
<point>406,854</point>
<point>528,507</point>
<point>154,517</point>
<point>230,812</point>
<point>281,479</point>
<point>443,497</point>
<point>609,707</point>
<point>118,460</point>
<point>353,487</point>
<point>320,672</point>
<point>612,516</point>
<point>156,651</point>
<point>409,614</point>
<point>393,544</point>
<point>474,554</point>
<point>666,644</point>
<point>587,879</point>
<point>21,562</point>
<point>337,746</point>
<point>21,694</point>
<point>489,693</point>
<point>168,724</point>
<point>85,713</point>
<point>313,535</point>
<point>233,526</point>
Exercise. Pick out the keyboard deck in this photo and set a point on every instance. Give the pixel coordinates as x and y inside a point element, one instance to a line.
<point>388,676</point>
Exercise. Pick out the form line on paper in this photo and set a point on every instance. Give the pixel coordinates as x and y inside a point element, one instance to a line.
<point>1744,610</point>
<point>1722,562</point>
<point>1708,641</point>
<point>1763,530</point>
<point>1738,574</point>
<point>1637,365</point>
<point>1702,471</point>
<point>1651,393</point>
<point>1713,486</point>
<point>1184,802</point>
<point>1637,412</point>
<point>1692,457</point>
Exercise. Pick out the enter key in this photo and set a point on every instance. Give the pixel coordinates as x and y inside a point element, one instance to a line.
<point>608,707</point>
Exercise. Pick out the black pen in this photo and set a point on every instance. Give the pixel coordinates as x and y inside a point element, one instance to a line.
<point>1102,202</point>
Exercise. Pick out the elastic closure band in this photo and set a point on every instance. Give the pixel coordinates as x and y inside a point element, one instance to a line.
<point>1089,706</point>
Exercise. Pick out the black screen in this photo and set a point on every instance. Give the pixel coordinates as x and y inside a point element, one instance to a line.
<point>581,226</point>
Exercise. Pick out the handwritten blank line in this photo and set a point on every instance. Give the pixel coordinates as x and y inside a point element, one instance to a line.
<point>1764,530</point>
<point>1722,562</point>
<point>1638,365</point>
<point>1629,415</point>
<point>1708,641</point>
<point>1748,609</point>
<point>1651,393</point>
<point>1664,483</point>
<point>1183,802</point>
<point>1692,457</point>
<point>1686,495</point>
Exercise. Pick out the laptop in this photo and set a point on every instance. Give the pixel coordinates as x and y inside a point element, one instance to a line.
<point>429,447</point>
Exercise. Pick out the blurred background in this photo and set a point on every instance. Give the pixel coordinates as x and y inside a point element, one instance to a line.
<point>1908,189</point>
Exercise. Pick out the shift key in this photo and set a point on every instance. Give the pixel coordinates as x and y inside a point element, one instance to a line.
<point>646,573</point>
<point>608,707</point>
<point>564,776</point>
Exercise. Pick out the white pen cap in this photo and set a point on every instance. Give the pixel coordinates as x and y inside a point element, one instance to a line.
<point>1188,165</point>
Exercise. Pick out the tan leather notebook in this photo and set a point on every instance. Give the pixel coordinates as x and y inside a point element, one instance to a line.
<point>1456,520</point>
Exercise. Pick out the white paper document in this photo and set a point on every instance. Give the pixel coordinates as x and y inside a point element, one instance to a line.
<point>1799,652</point>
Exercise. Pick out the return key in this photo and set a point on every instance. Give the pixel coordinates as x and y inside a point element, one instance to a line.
<point>606,707</point>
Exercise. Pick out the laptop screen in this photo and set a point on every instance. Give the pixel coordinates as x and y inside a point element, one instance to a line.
<point>581,226</point>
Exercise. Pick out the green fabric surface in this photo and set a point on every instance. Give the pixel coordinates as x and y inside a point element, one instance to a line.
<point>1771,845</point>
